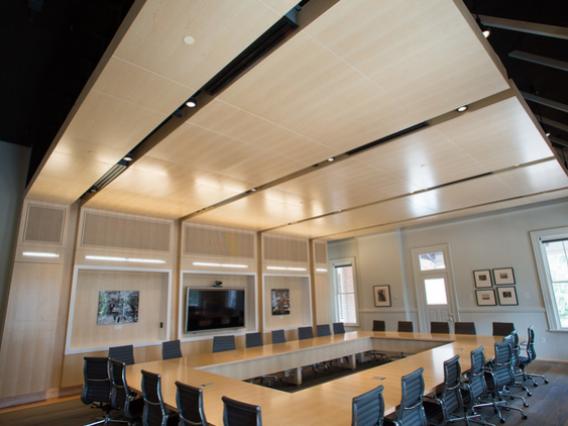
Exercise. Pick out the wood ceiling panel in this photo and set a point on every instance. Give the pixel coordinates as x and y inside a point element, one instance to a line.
<point>147,72</point>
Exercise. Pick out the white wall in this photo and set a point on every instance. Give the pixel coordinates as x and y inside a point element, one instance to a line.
<point>486,242</point>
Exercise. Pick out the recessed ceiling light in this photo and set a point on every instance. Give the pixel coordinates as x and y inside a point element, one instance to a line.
<point>189,40</point>
<point>93,190</point>
<point>462,108</point>
<point>253,190</point>
<point>128,158</point>
<point>547,134</point>
<point>331,159</point>
<point>486,33</point>
<point>191,103</point>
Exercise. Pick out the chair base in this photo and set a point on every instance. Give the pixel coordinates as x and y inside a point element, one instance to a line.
<point>106,420</point>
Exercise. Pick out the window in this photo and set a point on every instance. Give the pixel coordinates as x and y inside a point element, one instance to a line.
<point>345,292</point>
<point>432,261</point>
<point>435,291</point>
<point>551,251</point>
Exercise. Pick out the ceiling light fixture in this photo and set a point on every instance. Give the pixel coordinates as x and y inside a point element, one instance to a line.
<point>191,103</point>
<point>331,159</point>
<point>128,158</point>
<point>220,265</point>
<point>486,33</point>
<point>124,259</point>
<point>253,190</point>
<point>285,268</point>
<point>463,108</point>
<point>321,270</point>
<point>189,40</point>
<point>44,254</point>
<point>547,134</point>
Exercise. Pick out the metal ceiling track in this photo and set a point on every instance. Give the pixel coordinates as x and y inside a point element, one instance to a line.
<point>539,60</point>
<point>545,102</point>
<point>526,27</point>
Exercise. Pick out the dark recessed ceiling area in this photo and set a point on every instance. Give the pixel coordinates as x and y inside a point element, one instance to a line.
<point>49,50</point>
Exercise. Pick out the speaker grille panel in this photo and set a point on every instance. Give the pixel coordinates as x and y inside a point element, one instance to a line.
<point>104,230</point>
<point>285,249</point>
<point>218,242</point>
<point>44,224</point>
<point>320,252</point>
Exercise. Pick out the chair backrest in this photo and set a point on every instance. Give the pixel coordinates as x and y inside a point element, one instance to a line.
<point>155,411</point>
<point>189,402</point>
<point>406,326</point>
<point>368,408</point>
<point>338,328</point>
<point>379,325</point>
<point>117,382</point>
<point>96,383</point>
<point>278,336</point>
<point>305,333</point>
<point>451,396</point>
<point>224,343</point>
<point>122,353</point>
<point>502,328</point>
<point>323,330</point>
<point>476,375</point>
<point>253,339</point>
<point>531,352</point>
<point>501,367</point>
<point>411,410</point>
<point>465,328</point>
<point>171,349</point>
<point>439,327</point>
<point>238,413</point>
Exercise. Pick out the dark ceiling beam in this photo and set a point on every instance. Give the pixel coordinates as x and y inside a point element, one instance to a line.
<point>553,123</point>
<point>540,60</point>
<point>559,141</point>
<point>545,102</point>
<point>527,27</point>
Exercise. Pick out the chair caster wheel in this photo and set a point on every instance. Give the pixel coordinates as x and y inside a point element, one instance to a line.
<point>501,420</point>
<point>525,417</point>
<point>529,394</point>
<point>545,381</point>
<point>535,385</point>
<point>525,405</point>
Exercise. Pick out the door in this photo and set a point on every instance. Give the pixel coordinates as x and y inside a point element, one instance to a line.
<point>434,288</point>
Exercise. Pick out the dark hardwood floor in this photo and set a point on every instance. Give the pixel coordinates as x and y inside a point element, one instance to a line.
<point>548,405</point>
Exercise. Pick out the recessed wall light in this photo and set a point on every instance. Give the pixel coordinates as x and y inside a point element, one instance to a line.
<point>189,40</point>
<point>124,259</point>
<point>321,270</point>
<point>285,268</point>
<point>43,254</point>
<point>462,108</point>
<point>191,103</point>
<point>486,33</point>
<point>220,265</point>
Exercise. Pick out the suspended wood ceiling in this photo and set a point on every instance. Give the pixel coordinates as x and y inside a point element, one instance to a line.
<point>360,72</point>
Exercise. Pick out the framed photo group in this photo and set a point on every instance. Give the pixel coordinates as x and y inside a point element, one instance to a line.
<point>504,281</point>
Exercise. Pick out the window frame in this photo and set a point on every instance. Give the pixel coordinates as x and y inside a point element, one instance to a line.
<point>547,291</point>
<point>338,263</point>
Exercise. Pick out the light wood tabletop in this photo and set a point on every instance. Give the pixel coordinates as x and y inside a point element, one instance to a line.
<point>327,403</point>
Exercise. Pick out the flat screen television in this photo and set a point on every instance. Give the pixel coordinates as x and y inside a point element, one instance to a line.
<point>212,309</point>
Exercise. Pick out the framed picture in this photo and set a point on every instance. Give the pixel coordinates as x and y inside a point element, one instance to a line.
<point>482,278</point>
<point>280,298</point>
<point>504,276</point>
<point>382,295</point>
<point>485,297</point>
<point>507,296</point>
<point>118,307</point>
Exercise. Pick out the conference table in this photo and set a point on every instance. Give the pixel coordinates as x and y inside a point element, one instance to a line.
<point>329,403</point>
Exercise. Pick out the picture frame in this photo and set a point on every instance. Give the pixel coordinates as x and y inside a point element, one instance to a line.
<point>382,296</point>
<point>118,307</point>
<point>508,296</point>
<point>280,301</point>
<point>485,297</point>
<point>504,276</point>
<point>482,278</point>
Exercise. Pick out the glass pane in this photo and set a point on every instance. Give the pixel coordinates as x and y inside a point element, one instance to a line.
<point>346,308</point>
<point>435,291</point>
<point>557,260</point>
<point>344,276</point>
<point>561,296</point>
<point>432,261</point>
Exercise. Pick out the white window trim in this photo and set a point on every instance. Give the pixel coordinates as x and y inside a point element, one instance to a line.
<point>544,274</point>
<point>343,262</point>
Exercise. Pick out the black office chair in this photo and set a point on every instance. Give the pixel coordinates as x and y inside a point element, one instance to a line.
<point>411,410</point>
<point>122,353</point>
<point>439,327</point>
<point>338,328</point>
<point>155,411</point>
<point>525,361</point>
<point>224,343</point>
<point>171,349</point>
<point>499,376</point>
<point>189,401</point>
<point>502,329</point>
<point>323,330</point>
<point>121,397</point>
<point>238,413</point>
<point>253,340</point>
<point>278,336</point>
<point>379,325</point>
<point>305,333</point>
<point>513,340</point>
<point>368,408</point>
<point>448,406</point>
<point>465,328</point>
<point>96,386</point>
<point>406,326</point>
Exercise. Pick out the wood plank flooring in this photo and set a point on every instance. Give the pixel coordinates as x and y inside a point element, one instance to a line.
<point>548,405</point>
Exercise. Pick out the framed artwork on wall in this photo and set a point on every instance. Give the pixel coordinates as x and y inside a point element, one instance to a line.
<point>280,298</point>
<point>382,295</point>
<point>504,276</point>
<point>507,296</point>
<point>485,297</point>
<point>118,307</point>
<point>482,278</point>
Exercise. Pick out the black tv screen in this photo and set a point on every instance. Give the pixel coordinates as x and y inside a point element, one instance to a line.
<point>211,309</point>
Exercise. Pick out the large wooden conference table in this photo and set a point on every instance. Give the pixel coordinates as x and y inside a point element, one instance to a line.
<point>328,403</point>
